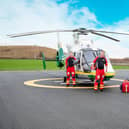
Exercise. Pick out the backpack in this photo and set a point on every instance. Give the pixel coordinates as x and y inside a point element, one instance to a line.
<point>124,87</point>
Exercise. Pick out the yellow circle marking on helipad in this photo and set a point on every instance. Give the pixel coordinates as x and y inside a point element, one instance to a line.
<point>33,84</point>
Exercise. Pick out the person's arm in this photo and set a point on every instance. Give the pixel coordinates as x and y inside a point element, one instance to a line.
<point>94,62</point>
<point>76,61</point>
<point>74,58</point>
<point>66,62</point>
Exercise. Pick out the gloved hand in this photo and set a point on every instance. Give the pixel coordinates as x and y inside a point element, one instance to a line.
<point>92,67</point>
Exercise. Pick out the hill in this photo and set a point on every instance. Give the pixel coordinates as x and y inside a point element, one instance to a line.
<point>26,52</point>
<point>35,52</point>
<point>124,61</point>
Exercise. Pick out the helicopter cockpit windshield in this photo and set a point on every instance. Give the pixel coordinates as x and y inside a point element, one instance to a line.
<point>88,57</point>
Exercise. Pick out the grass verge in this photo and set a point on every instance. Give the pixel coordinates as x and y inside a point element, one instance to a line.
<point>28,64</point>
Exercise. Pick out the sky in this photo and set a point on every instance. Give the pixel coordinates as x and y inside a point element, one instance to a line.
<point>18,16</point>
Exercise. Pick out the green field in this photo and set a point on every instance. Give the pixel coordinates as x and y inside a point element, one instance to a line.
<point>120,67</point>
<point>23,64</point>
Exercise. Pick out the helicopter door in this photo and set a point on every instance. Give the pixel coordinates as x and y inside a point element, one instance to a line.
<point>81,61</point>
<point>78,66</point>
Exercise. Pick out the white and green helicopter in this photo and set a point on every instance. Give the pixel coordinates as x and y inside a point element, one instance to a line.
<point>85,54</point>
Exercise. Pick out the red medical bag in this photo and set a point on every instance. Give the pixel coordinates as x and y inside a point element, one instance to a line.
<point>125,86</point>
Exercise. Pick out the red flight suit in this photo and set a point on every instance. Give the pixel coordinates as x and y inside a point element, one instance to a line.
<point>70,69</point>
<point>99,63</point>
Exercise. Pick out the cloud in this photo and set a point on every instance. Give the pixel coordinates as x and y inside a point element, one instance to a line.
<point>32,15</point>
<point>21,16</point>
<point>116,49</point>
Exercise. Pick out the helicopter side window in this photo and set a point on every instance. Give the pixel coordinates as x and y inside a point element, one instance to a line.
<point>78,56</point>
<point>85,65</point>
<point>98,52</point>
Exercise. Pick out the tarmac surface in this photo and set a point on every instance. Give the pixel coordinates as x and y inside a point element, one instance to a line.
<point>27,107</point>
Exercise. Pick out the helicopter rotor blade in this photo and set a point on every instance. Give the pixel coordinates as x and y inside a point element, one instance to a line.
<point>121,33</point>
<point>37,32</point>
<point>105,36</point>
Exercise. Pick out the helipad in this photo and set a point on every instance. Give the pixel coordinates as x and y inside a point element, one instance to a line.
<point>35,83</point>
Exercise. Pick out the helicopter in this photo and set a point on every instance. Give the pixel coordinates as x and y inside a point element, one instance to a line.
<point>85,54</point>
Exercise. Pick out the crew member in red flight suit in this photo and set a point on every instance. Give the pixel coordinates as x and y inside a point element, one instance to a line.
<point>70,70</point>
<point>98,64</point>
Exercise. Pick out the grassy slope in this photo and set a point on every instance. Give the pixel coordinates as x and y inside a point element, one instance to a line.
<point>13,64</point>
